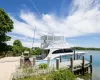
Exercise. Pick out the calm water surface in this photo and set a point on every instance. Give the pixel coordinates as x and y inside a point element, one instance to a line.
<point>96,63</point>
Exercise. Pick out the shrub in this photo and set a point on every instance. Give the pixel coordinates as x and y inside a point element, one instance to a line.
<point>43,66</point>
<point>63,74</point>
<point>57,75</point>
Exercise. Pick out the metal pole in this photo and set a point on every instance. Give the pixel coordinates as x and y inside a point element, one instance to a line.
<point>33,37</point>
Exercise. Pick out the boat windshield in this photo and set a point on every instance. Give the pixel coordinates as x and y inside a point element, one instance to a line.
<point>63,51</point>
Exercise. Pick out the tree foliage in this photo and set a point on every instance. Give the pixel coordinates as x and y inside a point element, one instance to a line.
<point>17,43</point>
<point>84,48</point>
<point>17,47</point>
<point>6,25</point>
<point>37,51</point>
<point>63,74</point>
<point>43,66</point>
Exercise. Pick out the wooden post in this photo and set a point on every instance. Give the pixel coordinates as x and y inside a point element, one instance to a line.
<point>74,54</point>
<point>60,58</point>
<point>77,56</point>
<point>57,64</point>
<point>34,61</point>
<point>91,64</point>
<point>71,63</point>
<point>86,69</point>
<point>48,61</point>
<point>21,62</point>
<point>83,62</point>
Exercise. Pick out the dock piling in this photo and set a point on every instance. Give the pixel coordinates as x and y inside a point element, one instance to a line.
<point>91,64</point>
<point>77,57</point>
<point>83,62</point>
<point>60,58</point>
<point>57,64</point>
<point>48,61</point>
<point>71,64</point>
<point>21,62</point>
<point>34,61</point>
<point>74,54</point>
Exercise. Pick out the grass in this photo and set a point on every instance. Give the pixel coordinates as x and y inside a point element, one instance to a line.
<point>42,77</point>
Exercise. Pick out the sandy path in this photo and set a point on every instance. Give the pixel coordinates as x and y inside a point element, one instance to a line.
<point>8,65</point>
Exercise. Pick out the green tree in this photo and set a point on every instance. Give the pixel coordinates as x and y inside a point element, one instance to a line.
<point>37,51</point>
<point>17,43</point>
<point>17,47</point>
<point>6,25</point>
<point>26,49</point>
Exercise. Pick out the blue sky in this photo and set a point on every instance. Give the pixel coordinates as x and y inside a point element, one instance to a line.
<point>77,20</point>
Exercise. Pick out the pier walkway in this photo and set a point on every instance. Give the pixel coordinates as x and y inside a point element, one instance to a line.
<point>76,63</point>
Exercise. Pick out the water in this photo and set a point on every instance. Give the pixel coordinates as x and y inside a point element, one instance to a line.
<point>96,63</point>
<point>64,58</point>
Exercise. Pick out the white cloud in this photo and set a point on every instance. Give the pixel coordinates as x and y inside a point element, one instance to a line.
<point>24,43</point>
<point>84,18</point>
<point>10,42</point>
<point>29,44</point>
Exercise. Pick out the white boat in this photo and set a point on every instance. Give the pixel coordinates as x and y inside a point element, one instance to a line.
<point>55,46</point>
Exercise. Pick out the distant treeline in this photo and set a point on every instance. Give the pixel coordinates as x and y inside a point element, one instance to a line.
<point>85,48</point>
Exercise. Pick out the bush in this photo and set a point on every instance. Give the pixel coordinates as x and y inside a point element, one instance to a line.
<point>43,66</point>
<point>63,74</point>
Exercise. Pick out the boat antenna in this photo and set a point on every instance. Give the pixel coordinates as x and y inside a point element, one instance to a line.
<point>33,37</point>
<point>40,16</point>
<point>36,8</point>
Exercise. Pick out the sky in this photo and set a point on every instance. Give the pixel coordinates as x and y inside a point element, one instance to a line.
<point>77,20</point>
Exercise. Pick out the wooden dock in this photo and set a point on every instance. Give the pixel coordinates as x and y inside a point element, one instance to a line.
<point>76,64</point>
<point>79,67</point>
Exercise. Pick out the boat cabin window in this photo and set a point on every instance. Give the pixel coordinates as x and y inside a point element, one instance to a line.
<point>62,51</point>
